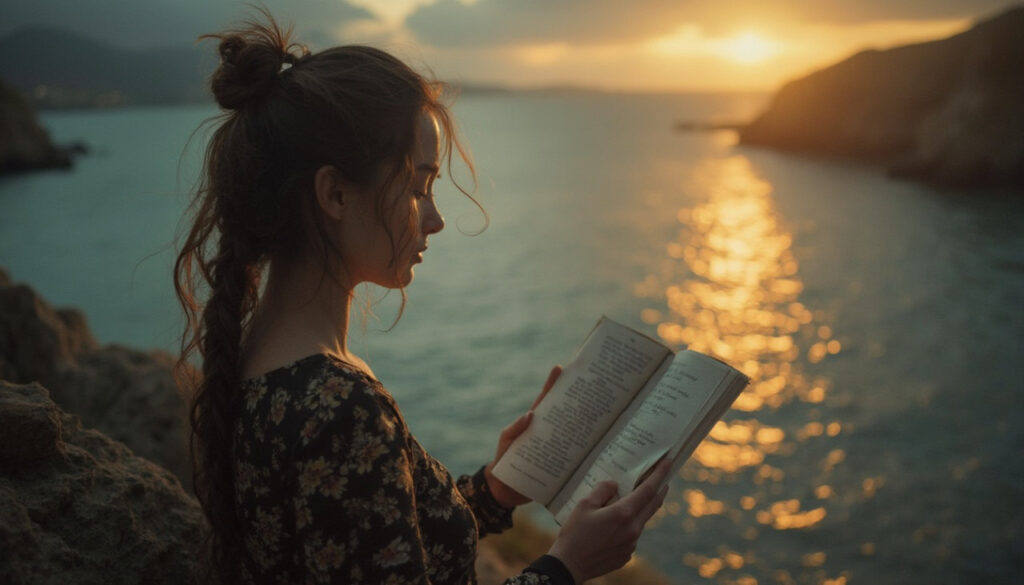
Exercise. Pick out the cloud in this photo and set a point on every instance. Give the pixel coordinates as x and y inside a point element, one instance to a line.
<point>453,23</point>
<point>462,23</point>
<point>744,52</point>
<point>863,11</point>
<point>493,22</point>
<point>155,23</point>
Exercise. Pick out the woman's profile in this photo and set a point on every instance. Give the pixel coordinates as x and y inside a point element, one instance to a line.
<point>318,177</point>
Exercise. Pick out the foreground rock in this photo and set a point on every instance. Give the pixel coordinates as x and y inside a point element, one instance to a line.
<point>77,507</point>
<point>949,112</point>
<point>127,394</point>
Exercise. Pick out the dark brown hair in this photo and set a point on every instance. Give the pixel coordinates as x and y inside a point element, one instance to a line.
<point>286,114</point>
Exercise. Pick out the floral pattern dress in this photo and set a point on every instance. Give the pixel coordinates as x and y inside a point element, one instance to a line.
<point>331,487</point>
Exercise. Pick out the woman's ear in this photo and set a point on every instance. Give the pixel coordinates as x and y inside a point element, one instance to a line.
<point>330,191</point>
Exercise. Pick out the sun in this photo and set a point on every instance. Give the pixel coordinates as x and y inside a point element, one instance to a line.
<point>746,48</point>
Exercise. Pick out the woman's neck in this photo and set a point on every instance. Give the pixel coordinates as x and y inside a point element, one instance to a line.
<point>301,311</point>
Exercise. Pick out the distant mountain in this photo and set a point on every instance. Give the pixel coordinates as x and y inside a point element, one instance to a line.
<point>948,112</point>
<point>58,68</point>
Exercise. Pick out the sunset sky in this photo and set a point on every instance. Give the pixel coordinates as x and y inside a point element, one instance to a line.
<point>637,45</point>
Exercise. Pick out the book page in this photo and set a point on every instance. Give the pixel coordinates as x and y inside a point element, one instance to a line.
<point>613,363</point>
<point>667,415</point>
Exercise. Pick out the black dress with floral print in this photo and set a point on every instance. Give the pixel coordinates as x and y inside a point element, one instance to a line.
<point>333,488</point>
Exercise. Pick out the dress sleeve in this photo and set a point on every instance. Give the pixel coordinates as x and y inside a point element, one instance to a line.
<point>491,517</point>
<point>354,504</point>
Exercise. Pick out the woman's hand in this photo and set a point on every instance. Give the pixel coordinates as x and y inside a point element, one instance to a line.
<point>505,495</point>
<point>600,537</point>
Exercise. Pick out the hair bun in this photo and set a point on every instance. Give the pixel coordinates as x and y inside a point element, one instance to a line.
<point>247,71</point>
<point>250,62</point>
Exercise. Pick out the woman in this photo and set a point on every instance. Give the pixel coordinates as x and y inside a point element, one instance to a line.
<point>319,178</point>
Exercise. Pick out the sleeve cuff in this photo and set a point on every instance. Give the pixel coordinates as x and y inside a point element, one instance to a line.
<point>555,570</point>
<point>491,516</point>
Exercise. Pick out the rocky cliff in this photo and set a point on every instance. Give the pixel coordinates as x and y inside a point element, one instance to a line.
<point>129,395</point>
<point>24,144</point>
<point>949,112</point>
<point>78,507</point>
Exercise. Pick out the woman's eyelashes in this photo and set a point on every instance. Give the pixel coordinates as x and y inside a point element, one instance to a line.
<point>428,192</point>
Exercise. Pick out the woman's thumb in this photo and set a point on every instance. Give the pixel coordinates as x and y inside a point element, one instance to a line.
<point>517,426</point>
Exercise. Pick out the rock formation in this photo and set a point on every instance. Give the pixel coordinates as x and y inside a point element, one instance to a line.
<point>949,112</point>
<point>77,507</point>
<point>24,144</point>
<point>127,394</point>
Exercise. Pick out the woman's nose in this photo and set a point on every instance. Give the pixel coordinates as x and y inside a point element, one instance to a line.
<point>433,221</point>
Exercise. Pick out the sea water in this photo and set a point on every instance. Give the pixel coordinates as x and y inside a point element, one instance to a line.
<point>881,320</point>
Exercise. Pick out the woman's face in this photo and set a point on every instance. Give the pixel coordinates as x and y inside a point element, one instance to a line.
<point>410,214</point>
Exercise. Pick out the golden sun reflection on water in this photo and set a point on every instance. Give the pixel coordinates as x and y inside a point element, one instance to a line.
<point>733,291</point>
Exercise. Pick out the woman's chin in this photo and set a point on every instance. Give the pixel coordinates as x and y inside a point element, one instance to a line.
<point>396,279</point>
<point>405,279</point>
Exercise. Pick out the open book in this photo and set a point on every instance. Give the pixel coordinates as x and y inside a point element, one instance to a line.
<point>623,402</point>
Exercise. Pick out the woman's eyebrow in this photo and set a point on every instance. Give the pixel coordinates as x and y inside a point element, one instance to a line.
<point>431,167</point>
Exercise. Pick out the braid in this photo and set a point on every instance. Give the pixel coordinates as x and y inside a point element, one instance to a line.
<point>230,273</point>
<point>215,405</point>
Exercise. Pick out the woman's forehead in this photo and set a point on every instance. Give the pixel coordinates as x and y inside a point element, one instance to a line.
<point>428,141</point>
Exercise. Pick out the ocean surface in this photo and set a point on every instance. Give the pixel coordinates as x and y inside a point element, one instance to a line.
<point>881,320</point>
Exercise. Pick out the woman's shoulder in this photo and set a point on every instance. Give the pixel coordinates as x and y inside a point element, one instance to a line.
<point>311,373</point>
<point>316,392</point>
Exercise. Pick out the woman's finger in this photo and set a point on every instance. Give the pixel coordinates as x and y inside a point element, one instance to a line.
<point>657,475</point>
<point>517,426</point>
<point>600,495</point>
<point>511,432</point>
<point>637,500</point>
<point>652,506</point>
<point>552,377</point>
